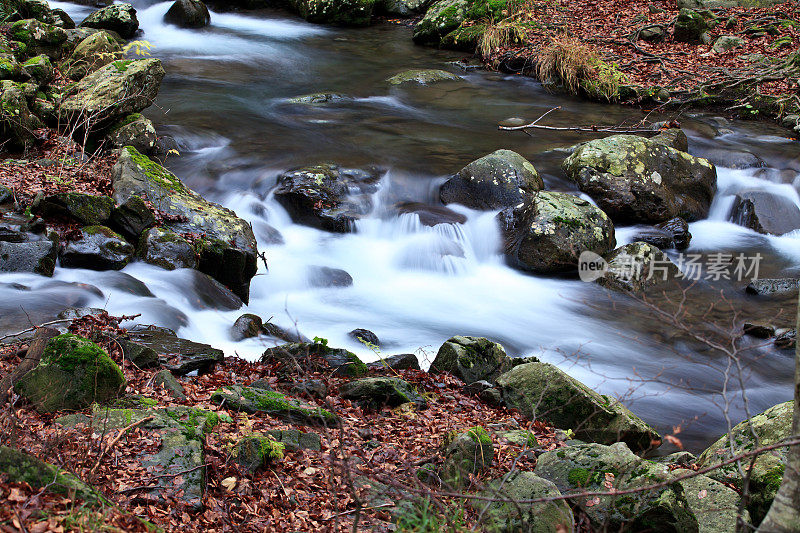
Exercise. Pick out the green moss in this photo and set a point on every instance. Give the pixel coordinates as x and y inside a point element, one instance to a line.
<point>270,449</point>
<point>156,172</point>
<point>480,435</point>
<point>773,478</point>
<point>487,9</point>
<point>133,117</point>
<point>578,477</point>
<point>122,64</point>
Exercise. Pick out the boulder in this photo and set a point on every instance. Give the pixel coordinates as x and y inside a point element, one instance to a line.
<point>637,267</point>
<point>246,326</point>
<point>542,391</point>
<point>326,196</point>
<point>226,247</point>
<point>498,180</point>
<point>166,380</point>
<point>441,18</point>
<point>374,393</point>
<point>727,42</point>
<point>84,208</point>
<point>312,388</point>
<point>672,137</point>
<point>431,215</point>
<point>471,359</point>
<point>132,218</point>
<point>40,69</point>
<point>519,437</point>
<point>403,361</point>
<point>338,12</point>
<point>72,374</point>
<point>501,516</point>
<point>179,356</point>
<point>38,37</point>
<point>253,400</point>
<point>785,339</point>
<point>188,14</point>
<point>716,506</point>
<point>120,18</point>
<point>134,130</point>
<point>769,427</point>
<point>422,77</point>
<point>99,248</point>
<point>139,354</point>
<point>17,123</point>
<point>114,91</point>
<point>317,98</point>
<point>166,249</point>
<point>61,19</point>
<point>21,467</point>
<point>773,287</point>
<point>594,467</point>
<point>178,464</point>
<point>257,451</point>
<point>548,232</point>
<point>321,276</point>
<point>292,355</point>
<point>294,440</point>
<point>95,51</point>
<point>634,179</point>
<point>364,335</point>
<point>469,452</point>
<point>37,256</point>
<point>689,26</point>
<point>653,33</point>
<point>10,69</point>
<point>679,229</point>
<point>765,212</point>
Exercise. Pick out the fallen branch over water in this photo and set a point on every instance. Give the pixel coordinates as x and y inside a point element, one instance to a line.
<point>580,129</point>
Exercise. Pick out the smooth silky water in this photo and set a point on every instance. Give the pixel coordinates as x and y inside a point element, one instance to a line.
<point>225,100</point>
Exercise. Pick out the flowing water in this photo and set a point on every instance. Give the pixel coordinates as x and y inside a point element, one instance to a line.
<point>225,100</point>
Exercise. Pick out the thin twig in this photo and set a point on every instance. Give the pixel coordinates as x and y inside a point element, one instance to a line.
<point>114,442</point>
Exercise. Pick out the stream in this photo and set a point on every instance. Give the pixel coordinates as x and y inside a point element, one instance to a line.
<point>225,100</point>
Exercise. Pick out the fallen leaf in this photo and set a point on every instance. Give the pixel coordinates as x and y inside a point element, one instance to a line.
<point>229,483</point>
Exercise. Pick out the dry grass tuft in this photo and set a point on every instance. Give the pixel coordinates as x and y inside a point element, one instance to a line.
<point>500,35</point>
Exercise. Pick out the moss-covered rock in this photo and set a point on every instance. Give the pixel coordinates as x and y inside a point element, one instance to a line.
<point>422,77</point>
<point>10,68</point>
<point>40,69</point>
<point>689,26</point>
<point>464,38</point>
<point>93,52</point>
<point>17,123</point>
<point>37,256</point>
<point>257,451</point>
<point>227,250</point>
<point>467,453</point>
<point>498,180</point>
<point>294,440</point>
<point>20,467</point>
<point>441,18</point>
<point>134,130</point>
<point>164,248</point>
<point>542,391</point>
<point>594,467</point>
<point>38,37</point>
<point>471,359</point>
<point>294,355</point>
<point>317,99</point>
<point>100,248</point>
<point>716,506</point>
<point>769,427</point>
<point>509,516</point>
<point>338,12</point>
<point>120,18</point>
<point>169,383</point>
<point>326,196</point>
<point>254,400</point>
<point>85,208</point>
<point>114,91</point>
<point>549,231</point>
<point>188,14</point>
<point>180,356</point>
<point>73,373</point>
<point>634,179</point>
<point>377,392</point>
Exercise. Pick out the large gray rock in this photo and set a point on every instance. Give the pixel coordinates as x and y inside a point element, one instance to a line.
<point>716,506</point>
<point>500,179</point>
<point>634,179</point>
<point>326,196</point>
<point>544,392</point>
<point>85,208</point>
<point>99,248</point>
<point>178,465</point>
<point>422,77</point>
<point>765,212</point>
<point>227,248</point>
<point>637,267</point>
<point>471,359</point>
<point>470,452</point>
<point>501,516</point>
<point>132,218</point>
<point>295,356</point>
<point>689,26</point>
<point>769,427</point>
<point>72,374</point>
<point>37,256</point>
<point>120,18</point>
<point>188,14</point>
<point>114,91</point>
<point>38,37</point>
<point>594,467</point>
<point>254,400</point>
<point>95,51</point>
<point>377,392</point>
<point>166,249</point>
<point>17,123</point>
<point>134,130</point>
<point>548,232</point>
<point>179,356</point>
